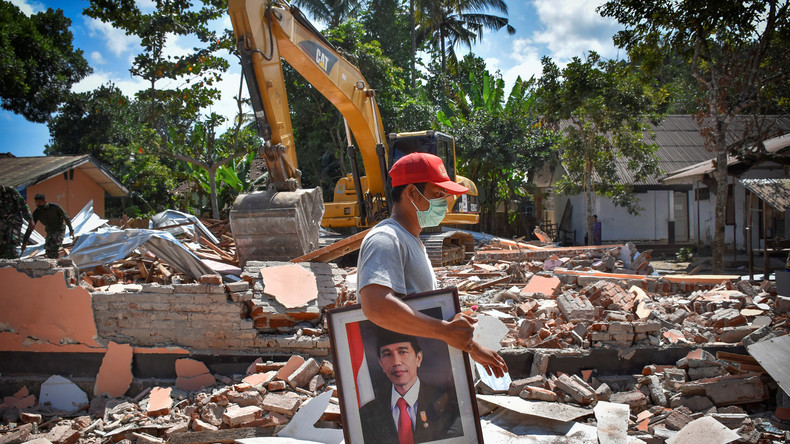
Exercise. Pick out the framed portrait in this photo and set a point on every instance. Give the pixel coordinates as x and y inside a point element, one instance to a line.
<point>391,384</point>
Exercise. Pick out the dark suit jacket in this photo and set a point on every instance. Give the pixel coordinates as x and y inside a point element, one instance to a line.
<point>442,419</point>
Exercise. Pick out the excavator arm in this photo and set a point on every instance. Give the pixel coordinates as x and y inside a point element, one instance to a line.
<point>282,222</point>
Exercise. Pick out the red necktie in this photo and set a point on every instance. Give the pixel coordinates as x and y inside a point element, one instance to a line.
<point>405,435</point>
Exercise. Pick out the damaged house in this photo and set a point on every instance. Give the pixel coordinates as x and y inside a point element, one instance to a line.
<point>679,208</point>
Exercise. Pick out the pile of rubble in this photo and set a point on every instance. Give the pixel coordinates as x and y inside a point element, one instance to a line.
<point>212,408</point>
<point>586,308</point>
<point>583,299</point>
<point>663,403</point>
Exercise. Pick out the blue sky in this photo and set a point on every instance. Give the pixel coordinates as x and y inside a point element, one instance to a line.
<point>560,29</point>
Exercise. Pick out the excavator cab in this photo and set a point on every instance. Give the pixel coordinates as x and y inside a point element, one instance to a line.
<point>464,208</point>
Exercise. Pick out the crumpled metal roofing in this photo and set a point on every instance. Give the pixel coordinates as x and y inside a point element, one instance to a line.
<point>100,248</point>
<point>775,192</point>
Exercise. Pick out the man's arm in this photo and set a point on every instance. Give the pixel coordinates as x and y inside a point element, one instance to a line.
<point>30,224</point>
<point>380,305</point>
<point>67,219</point>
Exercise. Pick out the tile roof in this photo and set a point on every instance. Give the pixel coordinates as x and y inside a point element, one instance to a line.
<point>680,146</point>
<point>22,172</point>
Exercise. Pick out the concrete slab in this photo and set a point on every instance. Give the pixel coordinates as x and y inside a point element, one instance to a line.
<point>192,375</point>
<point>772,356</point>
<point>302,425</point>
<point>612,422</point>
<point>546,410</point>
<point>62,394</point>
<point>274,440</point>
<point>510,427</point>
<point>159,401</point>
<point>489,332</point>
<point>115,374</point>
<point>539,284</point>
<point>292,285</point>
<point>705,429</point>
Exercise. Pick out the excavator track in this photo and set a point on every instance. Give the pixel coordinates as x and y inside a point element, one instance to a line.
<point>448,248</point>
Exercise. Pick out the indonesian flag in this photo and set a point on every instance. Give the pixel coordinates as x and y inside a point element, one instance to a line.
<point>359,365</point>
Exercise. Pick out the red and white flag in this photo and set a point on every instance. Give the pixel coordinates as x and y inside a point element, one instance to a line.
<point>359,365</point>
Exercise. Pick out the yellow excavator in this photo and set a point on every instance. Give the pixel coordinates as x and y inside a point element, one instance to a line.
<point>282,221</point>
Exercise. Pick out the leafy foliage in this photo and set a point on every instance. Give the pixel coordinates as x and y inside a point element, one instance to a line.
<point>603,110</point>
<point>444,24</point>
<point>107,125</point>
<point>737,52</point>
<point>38,64</point>
<point>499,141</point>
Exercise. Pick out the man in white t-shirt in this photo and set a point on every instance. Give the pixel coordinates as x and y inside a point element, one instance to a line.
<point>393,262</point>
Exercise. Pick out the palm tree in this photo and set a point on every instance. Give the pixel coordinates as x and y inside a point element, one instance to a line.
<point>331,12</point>
<point>446,23</point>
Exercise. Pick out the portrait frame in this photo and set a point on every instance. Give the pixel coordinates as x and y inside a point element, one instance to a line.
<point>353,341</point>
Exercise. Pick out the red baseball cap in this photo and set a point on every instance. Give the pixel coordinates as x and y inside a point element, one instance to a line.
<point>423,167</point>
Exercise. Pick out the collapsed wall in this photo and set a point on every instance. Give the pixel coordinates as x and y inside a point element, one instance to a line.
<point>45,310</point>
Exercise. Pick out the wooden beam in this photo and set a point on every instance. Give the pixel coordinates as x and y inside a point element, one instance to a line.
<point>334,251</point>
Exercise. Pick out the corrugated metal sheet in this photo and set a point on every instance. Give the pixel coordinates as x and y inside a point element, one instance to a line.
<point>20,172</point>
<point>697,171</point>
<point>775,192</point>
<point>681,146</point>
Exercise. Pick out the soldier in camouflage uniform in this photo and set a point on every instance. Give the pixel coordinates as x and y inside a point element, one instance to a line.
<point>55,221</point>
<point>13,210</point>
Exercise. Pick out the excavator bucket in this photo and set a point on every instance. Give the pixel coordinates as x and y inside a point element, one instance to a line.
<point>276,225</point>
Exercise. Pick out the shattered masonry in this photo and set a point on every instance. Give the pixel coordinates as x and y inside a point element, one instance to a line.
<point>555,306</point>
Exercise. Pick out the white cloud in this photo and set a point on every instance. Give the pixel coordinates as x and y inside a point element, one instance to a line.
<point>145,5</point>
<point>129,86</point>
<point>27,7</point>
<point>97,58</point>
<point>116,39</point>
<point>574,29</point>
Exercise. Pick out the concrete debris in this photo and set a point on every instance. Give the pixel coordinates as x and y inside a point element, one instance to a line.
<point>533,300</point>
<point>62,394</point>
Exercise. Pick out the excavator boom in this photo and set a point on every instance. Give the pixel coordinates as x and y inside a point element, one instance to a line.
<point>267,31</point>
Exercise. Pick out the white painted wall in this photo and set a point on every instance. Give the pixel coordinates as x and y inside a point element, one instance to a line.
<point>651,224</point>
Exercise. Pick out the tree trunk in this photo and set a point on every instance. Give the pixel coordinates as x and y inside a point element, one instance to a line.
<point>412,72</point>
<point>721,211</point>
<point>212,180</point>
<point>588,222</point>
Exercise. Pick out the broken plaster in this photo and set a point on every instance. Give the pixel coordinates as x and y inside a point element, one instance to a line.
<point>44,314</point>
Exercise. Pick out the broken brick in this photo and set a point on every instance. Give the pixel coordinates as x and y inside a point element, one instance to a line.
<point>302,375</point>
<point>633,398</point>
<point>577,391</point>
<point>286,403</point>
<point>294,362</point>
<point>575,307</point>
<point>63,434</point>
<point>235,416</point>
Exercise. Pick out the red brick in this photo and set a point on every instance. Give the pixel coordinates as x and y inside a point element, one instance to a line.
<point>63,434</point>
<point>214,279</point>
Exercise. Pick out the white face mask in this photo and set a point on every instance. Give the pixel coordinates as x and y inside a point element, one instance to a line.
<point>435,213</point>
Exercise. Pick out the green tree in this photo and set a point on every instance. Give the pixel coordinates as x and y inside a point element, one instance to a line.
<point>444,24</point>
<point>499,142</point>
<point>331,12</point>
<point>737,51</point>
<point>38,64</point>
<point>177,126</point>
<point>603,111</point>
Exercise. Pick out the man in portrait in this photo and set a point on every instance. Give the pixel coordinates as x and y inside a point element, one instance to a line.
<point>409,410</point>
